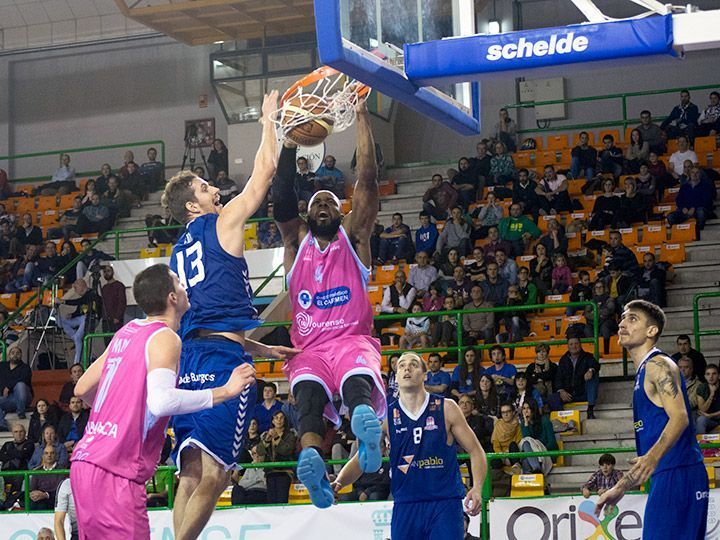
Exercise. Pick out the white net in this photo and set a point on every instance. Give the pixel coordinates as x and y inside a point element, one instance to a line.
<point>325,95</point>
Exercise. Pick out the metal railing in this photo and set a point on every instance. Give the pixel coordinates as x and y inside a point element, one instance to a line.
<point>10,158</point>
<point>486,487</point>
<point>697,332</point>
<point>625,122</point>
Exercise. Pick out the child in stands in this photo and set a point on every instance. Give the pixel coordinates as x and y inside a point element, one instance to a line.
<point>604,478</point>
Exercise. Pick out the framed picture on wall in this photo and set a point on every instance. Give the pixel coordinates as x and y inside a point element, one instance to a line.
<point>200,133</point>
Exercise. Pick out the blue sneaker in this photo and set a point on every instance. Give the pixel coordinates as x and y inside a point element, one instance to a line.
<point>368,430</point>
<point>311,472</point>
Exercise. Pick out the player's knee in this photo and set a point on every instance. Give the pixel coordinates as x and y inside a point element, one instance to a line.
<point>357,390</point>
<point>311,399</point>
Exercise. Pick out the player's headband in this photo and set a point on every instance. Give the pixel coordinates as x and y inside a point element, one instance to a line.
<point>335,198</point>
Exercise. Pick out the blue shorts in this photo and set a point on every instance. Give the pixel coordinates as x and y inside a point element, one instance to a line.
<point>429,520</point>
<point>220,431</point>
<point>685,491</point>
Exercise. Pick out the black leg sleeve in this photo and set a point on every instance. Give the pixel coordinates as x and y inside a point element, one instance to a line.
<point>311,399</point>
<point>357,390</point>
<point>285,201</point>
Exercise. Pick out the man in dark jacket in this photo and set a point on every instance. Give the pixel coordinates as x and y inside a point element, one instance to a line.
<point>14,456</point>
<point>72,424</point>
<point>578,377</point>
<point>15,386</point>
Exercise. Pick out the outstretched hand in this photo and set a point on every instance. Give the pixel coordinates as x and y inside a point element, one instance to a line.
<point>282,353</point>
<point>240,378</point>
<point>269,106</point>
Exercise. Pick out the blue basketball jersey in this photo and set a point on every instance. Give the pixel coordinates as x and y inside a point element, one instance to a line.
<point>650,420</point>
<point>218,284</point>
<point>423,466</point>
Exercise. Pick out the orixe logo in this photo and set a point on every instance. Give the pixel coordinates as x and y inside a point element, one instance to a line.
<point>527,49</point>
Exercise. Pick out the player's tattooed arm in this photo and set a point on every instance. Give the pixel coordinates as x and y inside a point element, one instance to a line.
<point>666,382</point>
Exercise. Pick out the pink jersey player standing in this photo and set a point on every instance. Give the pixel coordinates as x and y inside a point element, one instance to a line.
<point>132,391</point>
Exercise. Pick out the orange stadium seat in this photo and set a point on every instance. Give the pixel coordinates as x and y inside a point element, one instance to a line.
<point>523,160</point>
<point>385,274</point>
<point>672,146</point>
<point>653,235</point>
<point>375,294</point>
<point>672,253</point>
<point>575,187</point>
<point>544,327</point>
<point>10,301</point>
<point>574,241</point>
<point>565,323</point>
<point>555,299</point>
<point>670,194</point>
<point>603,235</point>
<point>683,232</point>
<point>628,131</point>
<point>24,297</point>
<point>629,236</point>
<point>66,201</point>
<point>640,252</point>
<point>24,204</point>
<point>588,201</point>
<point>662,208</point>
<point>345,206</point>
<point>705,145</point>
<point>557,142</point>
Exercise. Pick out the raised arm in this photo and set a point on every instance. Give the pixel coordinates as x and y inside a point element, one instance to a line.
<point>285,204</point>
<point>234,215</point>
<point>366,197</point>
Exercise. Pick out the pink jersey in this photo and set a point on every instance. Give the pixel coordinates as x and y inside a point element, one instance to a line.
<point>328,291</point>
<point>122,436</point>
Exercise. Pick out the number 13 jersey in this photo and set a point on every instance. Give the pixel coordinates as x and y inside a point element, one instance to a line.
<point>218,284</point>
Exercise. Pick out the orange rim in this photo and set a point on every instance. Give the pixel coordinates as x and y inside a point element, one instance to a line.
<point>320,73</point>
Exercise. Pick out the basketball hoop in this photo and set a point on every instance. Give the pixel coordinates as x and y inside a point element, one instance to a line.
<point>325,96</point>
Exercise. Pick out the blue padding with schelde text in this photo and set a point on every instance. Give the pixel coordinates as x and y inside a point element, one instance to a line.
<point>458,59</point>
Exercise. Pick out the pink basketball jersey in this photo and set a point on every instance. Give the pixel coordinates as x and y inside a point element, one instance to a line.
<point>328,291</point>
<point>122,436</point>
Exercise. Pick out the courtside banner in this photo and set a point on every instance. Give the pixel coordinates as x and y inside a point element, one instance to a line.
<point>573,518</point>
<point>459,59</point>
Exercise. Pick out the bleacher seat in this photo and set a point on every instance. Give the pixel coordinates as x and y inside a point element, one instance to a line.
<point>556,299</point>
<point>672,253</point>
<point>574,241</point>
<point>150,253</point>
<point>629,236</point>
<point>640,252</point>
<point>653,235</point>
<point>602,235</point>
<point>587,202</point>
<point>683,232</point>
<point>385,274</point>
<point>557,142</point>
<point>527,485</point>
<point>543,327</point>
<point>704,145</point>
<point>9,300</point>
<point>565,417</point>
<point>566,322</point>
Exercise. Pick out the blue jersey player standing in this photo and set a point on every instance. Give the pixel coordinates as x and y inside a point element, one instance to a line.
<point>208,259</point>
<point>677,506</point>
<point>426,485</point>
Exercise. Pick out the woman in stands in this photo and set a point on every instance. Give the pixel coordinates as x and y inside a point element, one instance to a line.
<point>606,207</point>
<point>218,158</point>
<point>447,267</point>
<point>89,191</point>
<point>541,270</point>
<point>636,152</point>
<point>633,207</point>
<point>535,426</point>
<point>465,377</point>
<point>607,315</point>
<point>68,253</point>
<point>278,444</point>
<point>42,416</point>
<point>486,400</point>
<point>466,183</point>
<point>524,392</point>
<point>502,171</point>
<point>542,372</point>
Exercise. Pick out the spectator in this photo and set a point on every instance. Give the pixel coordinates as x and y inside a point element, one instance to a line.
<point>433,300</point>
<point>502,373</point>
<point>447,267</point>
<point>396,241</point>
<point>392,385</point>
<point>48,265</point>
<point>542,372</point>
<point>5,187</point>
<point>676,161</point>
<point>494,243</point>
<point>487,216</point>
<point>21,272</point>
<point>582,291</point>
<point>709,120</point>
<point>527,289</point>
<point>633,207</point>
<point>153,169</point>
<point>117,200</point>
<point>417,330</point>
<point>330,178</point>
<point>68,389</point>
<point>422,274</point>
<point>694,200</point>
<point>267,408</point>
<point>610,157</point>
<point>506,131</point>
<point>525,392</point>
<point>49,438</point>
<point>200,173</point>
<point>475,267</point>
<point>252,439</point>
<point>696,390</point>
<point>14,456</point>
<point>619,286</point>
<point>554,239</point>
<point>166,236</point>
<point>85,303</point>
<point>486,399</point>
<point>95,217</point>
<point>29,234</point>
<point>65,507</point>
<point>518,230</point>
<point>114,302</point>
<point>136,183</point>
<point>535,428</point>
<point>651,282</point>
<point>552,192</point>
<point>445,330</point>
<point>68,253</point>
<point>502,168</point>
<point>606,207</point>
<point>607,311</point>
<point>636,152</point>
<point>583,159</point>
<point>481,425</point>
<point>494,287</point>
<point>227,186</point>
<point>251,487</point>
<point>647,187</point>
<point>708,408</point>
<point>64,173</point>
<point>683,118</point>
<point>398,297</point>
<point>270,237</point>
<point>465,182</point>
<point>439,198</point>
<point>578,378</point>
<point>466,375</point>
<point>90,258</point>
<point>304,180</point>
<point>127,158</point>
<point>506,435</point>
<point>524,194</point>
<point>478,326</point>
<point>651,133</point>
<point>278,444</point>
<point>72,424</point>
<point>374,486</point>
<point>618,252</point>
<point>541,268</point>
<point>480,164</point>
<point>41,417</point>
<point>459,287</point>
<point>426,235</point>
<point>68,221</point>
<point>217,159</point>
<point>437,381</point>
<point>604,478</point>
<point>455,234</point>
<point>101,182</point>
<point>685,349</point>
<point>45,534</point>
<point>507,268</point>
<point>561,275</point>
<point>15,385</point>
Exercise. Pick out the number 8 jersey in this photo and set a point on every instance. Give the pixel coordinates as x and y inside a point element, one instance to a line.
<point>218,284</point>
<point>423,466</point>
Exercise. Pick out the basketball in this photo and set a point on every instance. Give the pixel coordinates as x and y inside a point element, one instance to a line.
<point>309,133</point>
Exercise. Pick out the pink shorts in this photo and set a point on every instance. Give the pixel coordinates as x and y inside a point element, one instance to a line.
<point>107,505</point>
<point>332,362</point>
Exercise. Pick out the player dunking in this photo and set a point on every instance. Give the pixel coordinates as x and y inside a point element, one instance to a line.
<point>209,260</point>
<point>131,388</point>
<point>426,485</point>
<point>327,269</point>
<point>667,449</point>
